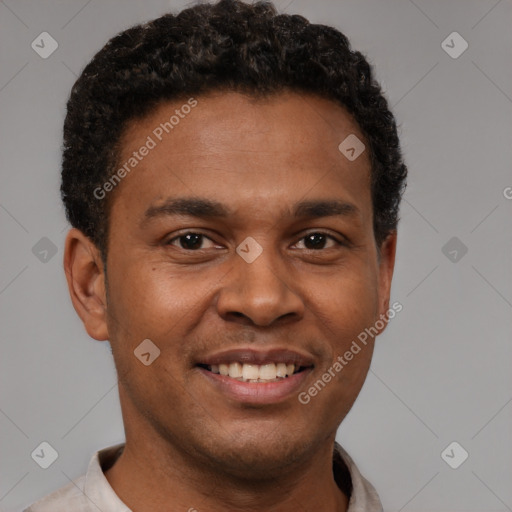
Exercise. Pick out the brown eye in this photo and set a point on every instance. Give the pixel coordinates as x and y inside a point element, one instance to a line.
<point>189,241</point>
<point>318,241</point>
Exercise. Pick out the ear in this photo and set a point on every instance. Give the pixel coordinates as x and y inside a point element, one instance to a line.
<point>86,283</point>
<point>386,267</point>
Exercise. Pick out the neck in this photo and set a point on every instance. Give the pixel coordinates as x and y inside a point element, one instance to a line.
<point>156,476</point>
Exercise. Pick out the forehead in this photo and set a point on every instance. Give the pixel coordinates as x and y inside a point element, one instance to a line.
<point>236,148</point>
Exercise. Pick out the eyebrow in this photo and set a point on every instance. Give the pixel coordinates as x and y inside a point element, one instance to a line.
<point>208,209</point>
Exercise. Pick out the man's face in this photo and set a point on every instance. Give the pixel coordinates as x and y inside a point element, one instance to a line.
<point>175,277</point>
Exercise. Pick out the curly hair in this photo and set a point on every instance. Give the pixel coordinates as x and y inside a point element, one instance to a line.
<point>229,45</point>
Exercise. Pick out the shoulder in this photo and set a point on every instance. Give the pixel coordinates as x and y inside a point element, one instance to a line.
<point>88,493</point>
<point>69,497</point>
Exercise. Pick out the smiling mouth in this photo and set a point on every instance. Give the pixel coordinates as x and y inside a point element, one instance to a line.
<point>243,372</point>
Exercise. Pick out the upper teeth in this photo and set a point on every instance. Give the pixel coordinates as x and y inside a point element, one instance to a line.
<point>254,372</point>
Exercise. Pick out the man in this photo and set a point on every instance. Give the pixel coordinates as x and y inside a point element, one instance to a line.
<point>233,178</point>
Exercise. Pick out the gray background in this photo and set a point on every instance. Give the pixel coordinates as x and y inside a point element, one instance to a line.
<point>441,371</point>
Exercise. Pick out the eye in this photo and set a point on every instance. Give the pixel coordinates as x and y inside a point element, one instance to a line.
<point>190,241</point>
<point>319,240</point>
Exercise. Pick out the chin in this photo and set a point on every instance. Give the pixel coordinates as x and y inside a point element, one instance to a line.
<point>258,455</point>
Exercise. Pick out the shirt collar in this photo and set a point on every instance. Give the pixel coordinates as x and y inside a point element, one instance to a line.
<point>363,497</point>
<point>97,487</point>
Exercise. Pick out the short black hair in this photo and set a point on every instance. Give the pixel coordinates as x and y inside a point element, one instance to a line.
<point>224,46</point>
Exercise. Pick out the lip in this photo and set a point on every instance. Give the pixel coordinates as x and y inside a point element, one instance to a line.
<point>258,393</point>
<point>259,357</point>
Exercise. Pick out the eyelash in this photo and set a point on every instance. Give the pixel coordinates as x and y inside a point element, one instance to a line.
<point>338,243</point>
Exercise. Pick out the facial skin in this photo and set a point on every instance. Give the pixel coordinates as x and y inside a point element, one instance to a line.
<point>189,442</point>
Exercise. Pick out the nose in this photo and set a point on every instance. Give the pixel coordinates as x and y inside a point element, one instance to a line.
<point>260,293</point>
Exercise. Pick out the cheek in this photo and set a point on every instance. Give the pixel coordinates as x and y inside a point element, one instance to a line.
<point>347,303</point>
<point>147,297</point>
<point>158,305</point>
<point>350,309</point>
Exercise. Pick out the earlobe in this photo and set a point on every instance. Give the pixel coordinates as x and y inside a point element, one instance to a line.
<point>386,267</point>
<point>86,283</point>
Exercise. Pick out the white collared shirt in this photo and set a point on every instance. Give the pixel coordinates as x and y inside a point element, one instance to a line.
<point>92,492</point>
